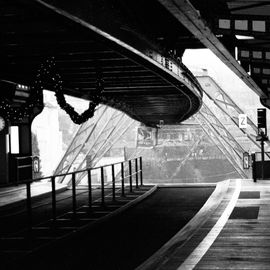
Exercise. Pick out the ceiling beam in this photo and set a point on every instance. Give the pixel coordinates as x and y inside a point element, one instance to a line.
<point>244,7</point>
<point>187,15</point>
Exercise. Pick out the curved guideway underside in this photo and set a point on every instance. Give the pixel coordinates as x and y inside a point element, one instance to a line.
<point>138,79</point>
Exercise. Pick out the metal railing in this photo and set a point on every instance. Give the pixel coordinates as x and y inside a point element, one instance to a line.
<point>134,178</point>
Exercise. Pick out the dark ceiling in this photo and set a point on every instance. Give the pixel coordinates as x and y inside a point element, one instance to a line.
<point>119,37</point>
<point>237,31</point>
<point>113,37</point>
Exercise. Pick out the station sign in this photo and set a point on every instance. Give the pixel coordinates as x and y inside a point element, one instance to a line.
<point>242,120</point>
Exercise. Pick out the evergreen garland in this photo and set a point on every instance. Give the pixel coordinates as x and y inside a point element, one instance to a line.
<point>48,74</point>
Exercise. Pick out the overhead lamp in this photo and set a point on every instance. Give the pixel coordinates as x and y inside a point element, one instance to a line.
<point>241,37</point>
<point>22,93</point>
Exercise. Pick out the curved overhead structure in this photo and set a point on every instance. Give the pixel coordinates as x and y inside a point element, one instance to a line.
<point>142,76</point>
<point>236,31</point>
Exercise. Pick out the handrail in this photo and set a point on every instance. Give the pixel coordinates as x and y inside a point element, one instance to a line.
<point>70,173</point>
<point>130,184</point>
<point>25,157</point>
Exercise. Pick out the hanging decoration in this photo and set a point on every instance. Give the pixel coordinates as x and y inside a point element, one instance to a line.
<point>16,114</point>
<point>47,74</point>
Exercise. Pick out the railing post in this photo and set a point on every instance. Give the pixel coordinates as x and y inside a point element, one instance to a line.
<point>102,186</point>
<point>74,202</point>
<point>29,205</point>
<point>17,171</point>
<point>123,179</point>
<point>89,188</point>
<point>130,175</point>
<point>53,199</point>
<point>136,169</point>
<point>141,174</point>
<point>113,183</point>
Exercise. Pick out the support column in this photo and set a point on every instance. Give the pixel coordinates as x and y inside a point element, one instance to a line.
<point>20,160</point>
<point>4,161</point>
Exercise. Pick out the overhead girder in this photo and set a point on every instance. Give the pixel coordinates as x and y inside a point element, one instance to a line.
<point>217,31</point>
<point>223,146</point>
<point>82,42</point>
<point>104,144</point>
<point>92,140</point>
<point>221,137</point>
<point>82,136</point>
<point>228,106</point>
<point>254,7</point>
<point>223,132</point>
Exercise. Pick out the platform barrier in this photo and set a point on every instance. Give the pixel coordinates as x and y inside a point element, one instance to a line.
<point>129,176</point>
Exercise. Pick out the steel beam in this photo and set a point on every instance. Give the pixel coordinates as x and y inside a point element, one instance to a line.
<point>222,145</point>
<point>222,100</point>
<point>187,15</point>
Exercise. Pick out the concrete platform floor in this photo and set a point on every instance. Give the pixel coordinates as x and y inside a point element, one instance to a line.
<point>121,242</point>
<point>236,235</point>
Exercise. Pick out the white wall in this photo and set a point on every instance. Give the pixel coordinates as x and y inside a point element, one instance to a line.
<point>46,127</point>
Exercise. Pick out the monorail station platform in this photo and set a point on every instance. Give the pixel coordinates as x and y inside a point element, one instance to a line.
<point>231,231</point>
<point>128,61</point>
<point>120,234</point>
<point>188,226</point>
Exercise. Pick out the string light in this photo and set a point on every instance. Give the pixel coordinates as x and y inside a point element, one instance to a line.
<point>47,75</point>
<point>17,114</point>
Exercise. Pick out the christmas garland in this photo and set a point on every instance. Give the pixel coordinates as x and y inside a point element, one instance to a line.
<point>48,70</point>
<point>47,76</point>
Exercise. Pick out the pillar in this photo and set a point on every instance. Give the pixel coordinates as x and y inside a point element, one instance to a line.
<point>4,158</point>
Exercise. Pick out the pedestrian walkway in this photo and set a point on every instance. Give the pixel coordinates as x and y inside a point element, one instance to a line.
<point>19,242</point>
<point>122,242</point>
<point>234,236</point>
<point>177,227</point>
<point>17,193</point>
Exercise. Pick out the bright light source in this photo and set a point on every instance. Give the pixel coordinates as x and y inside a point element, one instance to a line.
<point>7,143</point>
<point>236,53</point>
<point>14,139</point>
<point>243,37</point>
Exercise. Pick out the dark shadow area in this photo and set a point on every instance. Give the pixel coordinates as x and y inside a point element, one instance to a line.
<point>128,239</point>
<point>250,212</point>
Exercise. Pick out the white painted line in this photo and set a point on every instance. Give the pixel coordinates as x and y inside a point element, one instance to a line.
<point>193,259</point>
